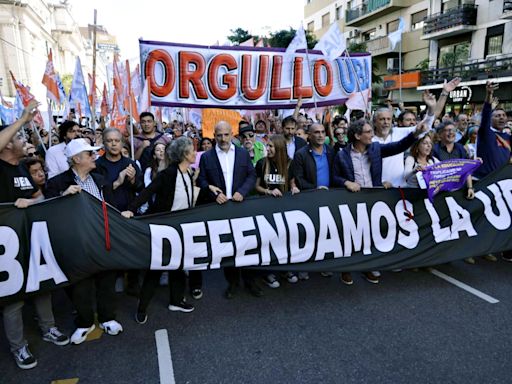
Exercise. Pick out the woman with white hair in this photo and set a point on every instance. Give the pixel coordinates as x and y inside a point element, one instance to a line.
<point>173,190</point>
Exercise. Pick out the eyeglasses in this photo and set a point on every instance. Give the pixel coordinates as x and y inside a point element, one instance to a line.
<point>31,154</point>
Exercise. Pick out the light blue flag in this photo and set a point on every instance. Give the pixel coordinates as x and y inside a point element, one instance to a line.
<point>78,92</point>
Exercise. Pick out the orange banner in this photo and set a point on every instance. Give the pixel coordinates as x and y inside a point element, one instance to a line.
<point>212,116</point>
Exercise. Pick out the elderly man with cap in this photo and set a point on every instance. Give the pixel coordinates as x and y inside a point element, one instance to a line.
<point>81,176</point>
<point>255,148</point>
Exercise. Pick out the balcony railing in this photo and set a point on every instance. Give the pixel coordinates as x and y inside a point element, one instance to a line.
<point>463,15</point>
<point>367,7</point>
<point>495,67</point>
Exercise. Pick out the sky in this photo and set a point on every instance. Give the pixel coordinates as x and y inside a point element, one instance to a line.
<point>202,22</point>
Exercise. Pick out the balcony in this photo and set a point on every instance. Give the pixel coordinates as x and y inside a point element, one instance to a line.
<point>379,46</point>
<point>480,69</point>
<point>372,9</point>
<point>452,22</point>
<point>507,9</point>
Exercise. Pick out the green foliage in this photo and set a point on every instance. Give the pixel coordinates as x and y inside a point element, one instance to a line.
<point>423,64</point>
<point>240,35</point>
<point>283,38</point>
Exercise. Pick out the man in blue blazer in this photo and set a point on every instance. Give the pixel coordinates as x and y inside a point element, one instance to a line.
<point>226,173</point>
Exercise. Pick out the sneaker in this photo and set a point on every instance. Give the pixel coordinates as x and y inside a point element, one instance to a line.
<point>231,291</point>
<point>80,334</point>
<point>271,281</point>
<point>141,317</point>
<point>326,274</point>
<point>24,359</point>
<point>164,279</point>
<point>56,337</point>
<point>490,257</point>
<point>196,293</point>
<point>469,260</point>
<point>111,327</point>
<point>303,276</point>
<point>346,278</point>
<point>291,277</point>
<point>376,273</point>
<point>181,307</point>
<point>371,278</point>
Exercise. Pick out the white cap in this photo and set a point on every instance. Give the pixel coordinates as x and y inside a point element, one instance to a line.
<point>74,147</point>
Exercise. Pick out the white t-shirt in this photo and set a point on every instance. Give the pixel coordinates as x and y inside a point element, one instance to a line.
<point>56,160</point>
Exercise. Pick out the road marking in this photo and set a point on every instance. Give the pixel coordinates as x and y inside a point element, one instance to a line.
<point>163,350</point>
<point>465,287</point>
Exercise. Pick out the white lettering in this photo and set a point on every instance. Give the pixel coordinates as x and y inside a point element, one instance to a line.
<point>271,238</point>
<point>357,234</point>
<point>245,243</point>
<point>295,219</point>
<point>328,235</point>
<point>194,250</point>
<point>159,234</point>
<point>381,210</point>
<point>220,249</point>
<point>40,246</point>
<point>8,263</point>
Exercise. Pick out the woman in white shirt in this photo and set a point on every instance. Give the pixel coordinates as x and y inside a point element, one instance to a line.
<point>173,190</point>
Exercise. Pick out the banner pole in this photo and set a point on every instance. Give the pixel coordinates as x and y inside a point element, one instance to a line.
<point>132,146</point>
<point>311,72</point>
<point>357,79</point>
<point>93,91</point>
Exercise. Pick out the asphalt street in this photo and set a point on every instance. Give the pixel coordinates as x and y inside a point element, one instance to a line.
<point>413,327</point>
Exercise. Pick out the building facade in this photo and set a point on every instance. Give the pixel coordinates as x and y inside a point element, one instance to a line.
<point>442,39</point>
<point>30,28</point>
<point>471,39</point>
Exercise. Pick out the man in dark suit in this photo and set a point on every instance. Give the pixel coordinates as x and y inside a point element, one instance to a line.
<point>293,143</point>
<point>226,173</point>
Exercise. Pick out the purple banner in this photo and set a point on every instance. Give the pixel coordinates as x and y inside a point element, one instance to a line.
<point>448,175</point>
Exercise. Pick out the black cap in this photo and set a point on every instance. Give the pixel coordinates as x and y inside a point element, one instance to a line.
<point>246,128</point>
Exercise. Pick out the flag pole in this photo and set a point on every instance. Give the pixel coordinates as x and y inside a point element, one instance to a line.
<point>311,72</point>
<point>357,79</point>
<point>400,69</point>
<point>93,91</point>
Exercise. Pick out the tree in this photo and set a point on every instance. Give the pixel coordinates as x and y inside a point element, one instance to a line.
<point>283,38</point>
<point>240,35</point>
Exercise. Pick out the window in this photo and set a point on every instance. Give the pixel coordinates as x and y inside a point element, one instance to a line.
<point>454,55</point>
<point>311,26</point>
<point>339,14</point>
<point>326,20</point>
<point>494,40</point>
<point>417,19</point>
<point>369,35</point>
<point>393,26</point>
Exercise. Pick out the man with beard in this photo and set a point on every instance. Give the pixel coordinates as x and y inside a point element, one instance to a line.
<point>144,143</point>
<point>255,148</point>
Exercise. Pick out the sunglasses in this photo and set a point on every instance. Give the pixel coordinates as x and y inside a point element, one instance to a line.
<point>248,135</point>
<point>31,154</point>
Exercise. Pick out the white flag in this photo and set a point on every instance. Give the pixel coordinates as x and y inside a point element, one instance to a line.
<point>298,42</point>
<point>396,36</point>
<point>333,43</point>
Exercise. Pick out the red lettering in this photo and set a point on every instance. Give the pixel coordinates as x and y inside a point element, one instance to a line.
<point>155,57</point>
<point>228,80</point>
<point>322,89</point>
<point>298,89</point>
<point>193,77</point>
<point>248,92</point>
<point>276,92</point>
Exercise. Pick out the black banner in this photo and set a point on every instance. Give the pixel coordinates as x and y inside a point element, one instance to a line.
<point>61,241</point>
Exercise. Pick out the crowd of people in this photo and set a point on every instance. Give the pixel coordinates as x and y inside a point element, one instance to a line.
<point>270,158</point>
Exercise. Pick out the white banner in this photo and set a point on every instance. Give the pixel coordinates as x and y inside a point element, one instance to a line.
<point>249,78</point>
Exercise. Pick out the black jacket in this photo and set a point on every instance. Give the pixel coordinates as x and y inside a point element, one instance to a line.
<point>58,184</point>
<point>162,187</point>
<point>304,167</point>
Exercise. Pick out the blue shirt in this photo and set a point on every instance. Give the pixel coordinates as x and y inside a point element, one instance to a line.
<point>322,168</point>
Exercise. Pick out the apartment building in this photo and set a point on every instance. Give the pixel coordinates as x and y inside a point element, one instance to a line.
<point>442,39</point>
<point>370,21</point>
<point>471,39</point>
